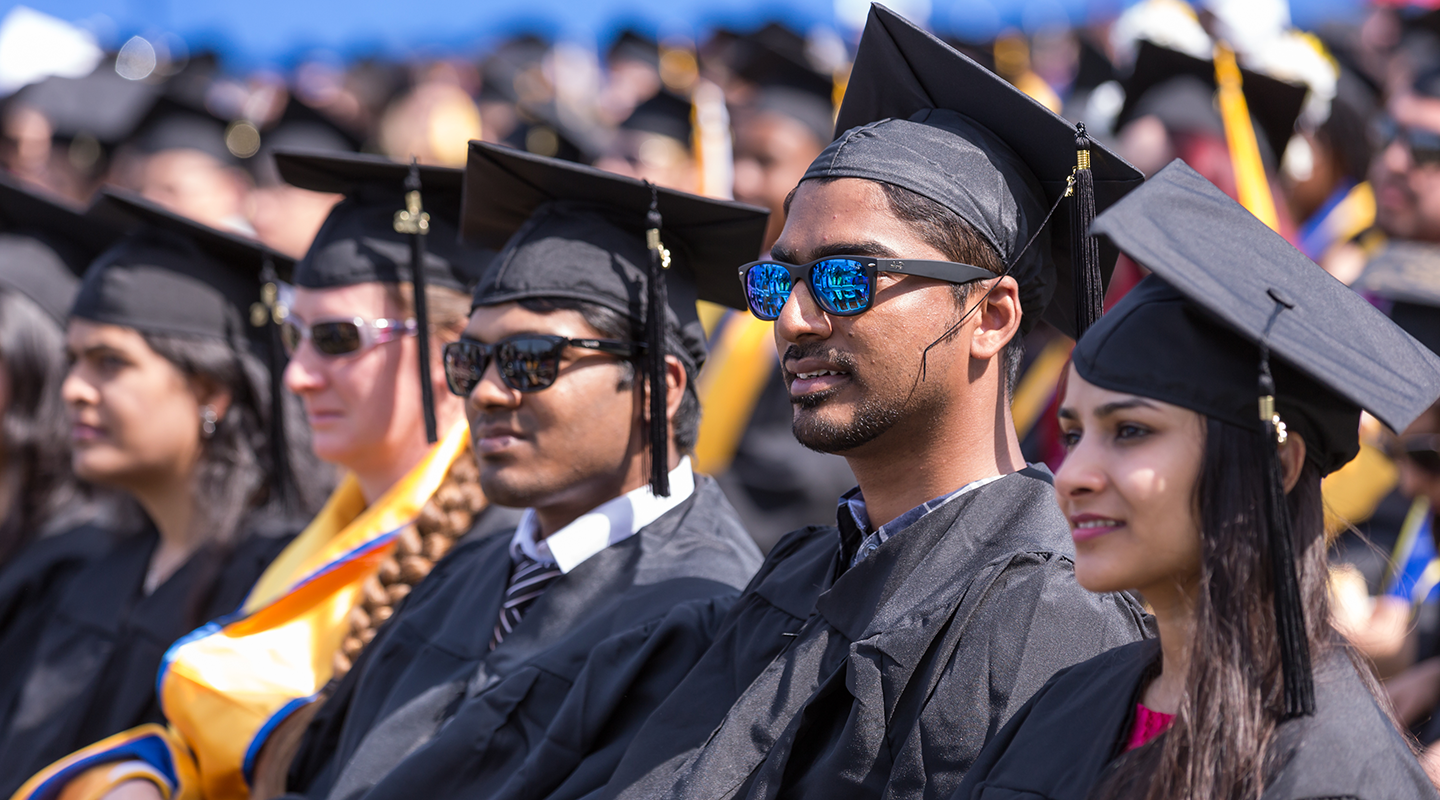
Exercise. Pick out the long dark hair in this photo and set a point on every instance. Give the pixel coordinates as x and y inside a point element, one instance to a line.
<point>1219,745</point>
<point>34,435</point>
<point>234,471</point>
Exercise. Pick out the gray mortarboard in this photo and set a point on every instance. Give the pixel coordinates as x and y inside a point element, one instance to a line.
<point>45,244</point>
<point>1180,89</point>
<point>172,275</point>
<point>920,115</point>
<point>775,61</point>
<point>570,231</point>
<point>393,217</point>
<point>1227,320</point>
<point>1408,275</point>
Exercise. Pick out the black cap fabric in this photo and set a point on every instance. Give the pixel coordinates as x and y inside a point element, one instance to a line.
<point>1408,274</point>
<point>358,242</point>
<point>174,125</point>
<point>172,275</point>
<point>774,60</point>
<point>567,230</point>
<point>1190,334</point>
<point>920,115</point>
<point>101,105</point>
<point>1274,104</point>
<point>665,114</point>
<point>45,244</point>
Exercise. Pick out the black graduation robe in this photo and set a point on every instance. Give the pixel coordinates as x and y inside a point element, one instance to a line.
<point>891,674</point>
<point>430,709</point>
<point>1062,742</point>
<point>30,585</point>
<point>95,664</point>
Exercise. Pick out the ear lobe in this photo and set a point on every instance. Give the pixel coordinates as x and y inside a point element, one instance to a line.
<point>208,393</point>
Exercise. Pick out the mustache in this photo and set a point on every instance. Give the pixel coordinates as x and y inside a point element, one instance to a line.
<point>819,351</point>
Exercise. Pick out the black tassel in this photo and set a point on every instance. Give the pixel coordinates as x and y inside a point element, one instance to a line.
<point>1085,251</point>
<point>414,221</point>
<point>1299,681</point>
<point>655,305</point>
<point>280,478</point>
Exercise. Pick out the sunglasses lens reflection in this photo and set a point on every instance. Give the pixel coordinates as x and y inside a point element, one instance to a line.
<point>530,364</point>
<point>335,338</point>
<point>841,286</point>
<point>767,287</point>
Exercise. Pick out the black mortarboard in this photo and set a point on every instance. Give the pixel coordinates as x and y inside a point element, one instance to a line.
<point>171,124</point>
<point>1408,275</point>
<point>300,127</point>
<point>774,60</point>
<point>666,114</point>
<point>571,231</point>
<point>1200,333</point>
<point>172,275</point>
<point>45,245</point>
<point>101,105</point>
<point>631,45</point>
<point>920,115</point>
<point>393,217</point>
<point>1274,104</point>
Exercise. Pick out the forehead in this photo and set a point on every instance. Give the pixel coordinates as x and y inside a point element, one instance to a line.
<point>492,323</point>
<point>369,299</point>
<point>848,211</point>
<point>82,334</point>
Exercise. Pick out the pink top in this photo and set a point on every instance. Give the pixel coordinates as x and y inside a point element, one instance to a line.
<point>1148,725</point>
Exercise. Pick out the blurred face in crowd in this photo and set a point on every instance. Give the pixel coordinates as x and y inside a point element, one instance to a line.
<point>195,185</point>
<point>565,448</point>
<point>772,152</point>
<point>134,416</point>
<point>287,217</point>
<point>653,157</point>
<point>854,381</point>
<point>1128,488</point>
<point>1406,173</point>
<point>1419,458</point>
<point>364,407</point>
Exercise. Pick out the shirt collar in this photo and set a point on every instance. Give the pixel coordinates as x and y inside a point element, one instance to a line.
<point>853,502</point>
<point>612,521</point>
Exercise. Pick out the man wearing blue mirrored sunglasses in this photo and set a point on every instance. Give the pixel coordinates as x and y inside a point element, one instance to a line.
<point>874,658</point>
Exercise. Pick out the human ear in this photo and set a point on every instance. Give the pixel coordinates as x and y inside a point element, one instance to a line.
<point>209,393</point>
<point>675,383</point>
<point>1292,460</point>
<point>998,318</point>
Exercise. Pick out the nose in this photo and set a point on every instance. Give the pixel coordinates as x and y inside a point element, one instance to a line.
<point>492,392</point>
<point>75,391</point>
<point>1396,157</point>
<point>304,373</point>
<point>801,318</point>
<point>1080,474</point>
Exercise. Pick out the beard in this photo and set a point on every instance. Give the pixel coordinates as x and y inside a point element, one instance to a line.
<point>873,415</point>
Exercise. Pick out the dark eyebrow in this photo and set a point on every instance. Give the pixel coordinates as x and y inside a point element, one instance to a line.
<point>871,249</point>
<point>1124,405</point>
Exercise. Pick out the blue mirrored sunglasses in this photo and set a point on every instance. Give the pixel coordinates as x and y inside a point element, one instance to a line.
<point>841,285</point>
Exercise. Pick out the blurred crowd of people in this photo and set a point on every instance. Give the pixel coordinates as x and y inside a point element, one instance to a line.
<point>1330,137</point>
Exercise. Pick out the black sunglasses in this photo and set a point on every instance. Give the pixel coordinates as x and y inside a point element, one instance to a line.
<point>841,285</point>
<point>528,362</point>
<point>1422,450</point>
<point>1423,145</point>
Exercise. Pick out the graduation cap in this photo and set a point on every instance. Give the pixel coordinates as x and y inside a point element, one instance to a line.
<point>95,113</point>
<point>774,60</point>
<point>570,231</point>
<point>172,275</point>
<point>299,127</point>
<point>171,124</point>
<point>631,45</point>
<point>1407,273</point>
<point>920,115</point>
<point>45,244</point>
<point>1180,89</point>
<point>665,114</point>
<point>394,216</point>
<point>1226,321</point>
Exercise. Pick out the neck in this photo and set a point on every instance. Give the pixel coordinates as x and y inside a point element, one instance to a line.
<point>1174,607</point>
<point>377,475</point>
<point>593,493</point>
<point>170,504</point>
<point>939,456</point>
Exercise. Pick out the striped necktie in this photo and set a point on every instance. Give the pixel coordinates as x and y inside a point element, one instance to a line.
<point>528,580</point>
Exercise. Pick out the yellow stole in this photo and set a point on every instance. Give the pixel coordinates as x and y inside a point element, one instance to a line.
<point>225,687</point>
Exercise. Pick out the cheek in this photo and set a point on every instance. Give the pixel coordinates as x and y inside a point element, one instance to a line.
<point>151,423</point>
<point>1161,538</point>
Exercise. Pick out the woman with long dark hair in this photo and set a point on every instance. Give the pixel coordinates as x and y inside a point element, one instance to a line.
<point>1200,415</point>
<point>169,404</point>
<point>49,523</point>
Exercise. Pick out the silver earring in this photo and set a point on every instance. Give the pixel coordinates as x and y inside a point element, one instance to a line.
<point>207,421</point>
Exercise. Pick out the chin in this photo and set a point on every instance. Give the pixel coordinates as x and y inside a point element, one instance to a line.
<point>510,486</point>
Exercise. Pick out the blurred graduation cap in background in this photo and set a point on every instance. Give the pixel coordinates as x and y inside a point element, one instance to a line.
<point>775,62</point>
<point>45,245</point>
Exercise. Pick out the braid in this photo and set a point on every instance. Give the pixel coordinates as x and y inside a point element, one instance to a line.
<point>448,515</point>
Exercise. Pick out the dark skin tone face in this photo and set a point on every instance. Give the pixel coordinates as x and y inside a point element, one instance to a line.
<point>1407,194</point>
<point>772,152</point>
<point>855,382</point>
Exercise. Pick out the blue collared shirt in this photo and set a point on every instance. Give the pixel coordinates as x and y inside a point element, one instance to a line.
<point>854,503</point>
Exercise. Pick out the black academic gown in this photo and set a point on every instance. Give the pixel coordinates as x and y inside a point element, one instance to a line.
<point>891,674</point>
<point>30,585</point>
<point>553,706</point>
<point>95,664</point>
<point>1073,730</point>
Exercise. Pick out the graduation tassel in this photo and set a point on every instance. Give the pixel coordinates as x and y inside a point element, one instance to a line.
<point>1299,682</point>
<point>656,303</point>
<point>1089,286</point>
<point>414,221</point>
<point>270,313</point>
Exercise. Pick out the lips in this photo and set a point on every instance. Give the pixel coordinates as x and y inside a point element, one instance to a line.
<point>496,439</point>
<point>82,433</point>
<point>1086,527</point>
<point>811,376</point>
